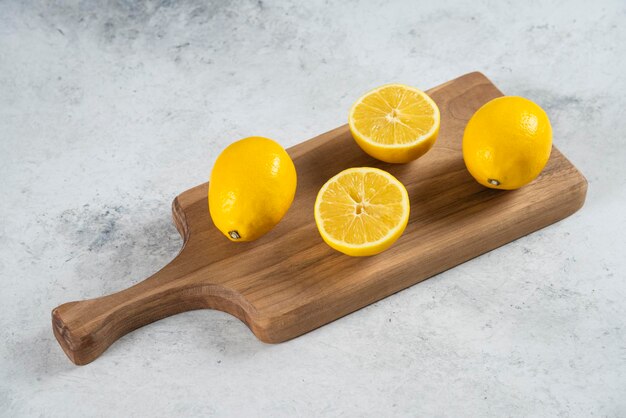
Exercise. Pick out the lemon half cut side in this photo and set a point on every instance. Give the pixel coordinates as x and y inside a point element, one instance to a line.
<point>395,123</point>
<point>362,211</point>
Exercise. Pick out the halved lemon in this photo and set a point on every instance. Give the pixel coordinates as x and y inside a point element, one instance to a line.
<point>362,211</point>
<point>395,123</point>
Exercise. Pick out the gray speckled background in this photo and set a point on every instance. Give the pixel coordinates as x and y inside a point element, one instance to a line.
<point>109,109</point>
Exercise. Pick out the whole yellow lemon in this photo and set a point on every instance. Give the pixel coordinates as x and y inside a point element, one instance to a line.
<point>507,143</point>
<point>252,185</point>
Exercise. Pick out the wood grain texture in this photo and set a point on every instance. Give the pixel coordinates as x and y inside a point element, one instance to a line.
<point>289,281</point>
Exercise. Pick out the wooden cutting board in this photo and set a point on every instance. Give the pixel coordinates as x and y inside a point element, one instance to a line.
<point>289,281</point>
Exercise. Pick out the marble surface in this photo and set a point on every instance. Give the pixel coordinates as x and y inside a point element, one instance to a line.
<point>109,109</point>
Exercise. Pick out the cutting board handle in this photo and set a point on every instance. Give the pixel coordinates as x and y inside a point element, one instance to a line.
<point>86,328</point>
